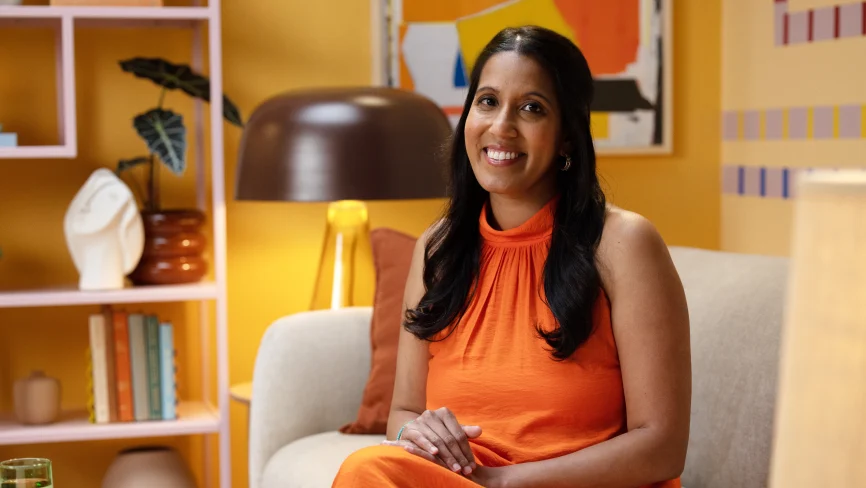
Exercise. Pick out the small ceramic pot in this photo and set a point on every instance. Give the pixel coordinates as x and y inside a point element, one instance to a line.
<point>37,399</point>
<point>173,247</point>
<point>148,467</point>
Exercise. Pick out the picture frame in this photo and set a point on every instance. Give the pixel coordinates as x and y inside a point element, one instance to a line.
<point>429,47</point>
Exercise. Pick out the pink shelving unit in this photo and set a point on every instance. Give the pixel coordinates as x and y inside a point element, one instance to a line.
<point>195,417</point>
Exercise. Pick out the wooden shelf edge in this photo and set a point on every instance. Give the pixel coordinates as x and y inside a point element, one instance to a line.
<point>140,294</point>
<point>193,418</point>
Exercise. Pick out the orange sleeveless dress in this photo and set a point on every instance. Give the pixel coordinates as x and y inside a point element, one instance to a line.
<point>495,372</point>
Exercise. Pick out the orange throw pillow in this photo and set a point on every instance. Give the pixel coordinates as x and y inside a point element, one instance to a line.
<point>392,256</point>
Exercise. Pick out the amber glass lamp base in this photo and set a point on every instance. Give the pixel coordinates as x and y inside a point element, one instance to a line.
<point>345,276</point>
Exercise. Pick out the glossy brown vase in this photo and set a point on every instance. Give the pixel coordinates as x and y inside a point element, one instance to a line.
<point>173,247</point>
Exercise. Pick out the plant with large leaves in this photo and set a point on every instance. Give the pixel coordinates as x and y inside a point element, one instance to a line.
<point>163,130</point>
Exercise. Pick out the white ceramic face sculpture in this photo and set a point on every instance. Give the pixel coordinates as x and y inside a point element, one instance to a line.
<point>104,232</point>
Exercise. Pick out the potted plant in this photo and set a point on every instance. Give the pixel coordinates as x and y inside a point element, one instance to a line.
<point>173,238</point>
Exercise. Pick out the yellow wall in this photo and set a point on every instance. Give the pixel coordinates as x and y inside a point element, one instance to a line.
<point>759,75</point>
<point>680,192</point>
<point>269,46</point>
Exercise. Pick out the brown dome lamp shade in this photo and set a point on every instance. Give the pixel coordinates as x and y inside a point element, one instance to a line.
<point>344,146</point>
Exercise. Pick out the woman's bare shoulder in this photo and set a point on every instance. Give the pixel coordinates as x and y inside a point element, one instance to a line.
<point>429,231</point>
<point>415,282</point>
<point>624,228</point>
<point>427,235</point>
<point>628,240</point>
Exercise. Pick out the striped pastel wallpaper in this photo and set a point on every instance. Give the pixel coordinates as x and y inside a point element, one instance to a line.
<point>823,23</point>
<point>762,181</point>
<point>793,99</point>
<point>823,122</point>
<point>757,181</point>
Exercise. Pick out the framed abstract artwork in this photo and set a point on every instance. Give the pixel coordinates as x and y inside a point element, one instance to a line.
<point>430,47</point>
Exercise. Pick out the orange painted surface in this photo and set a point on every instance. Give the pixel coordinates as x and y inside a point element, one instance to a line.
<point>607,32</point>
<point>444,11</point>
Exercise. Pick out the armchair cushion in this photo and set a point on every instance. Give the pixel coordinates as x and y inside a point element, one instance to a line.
<point>392,256</point>
<point>311,462</point>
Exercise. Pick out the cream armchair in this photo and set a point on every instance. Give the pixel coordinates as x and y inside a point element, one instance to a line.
<point>309,375</point>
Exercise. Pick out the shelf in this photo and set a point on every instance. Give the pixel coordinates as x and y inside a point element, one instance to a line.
<point>139,294</point>
<point>242,392</point>
<point>34,152</point>
<point>193,418</point>
<point>105,16</point>
<point>117,13</point>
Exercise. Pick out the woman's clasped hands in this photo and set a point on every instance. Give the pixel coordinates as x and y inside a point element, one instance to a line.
<point>437,437</point>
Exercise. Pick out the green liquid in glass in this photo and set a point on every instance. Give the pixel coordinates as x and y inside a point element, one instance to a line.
<point>26,483</point>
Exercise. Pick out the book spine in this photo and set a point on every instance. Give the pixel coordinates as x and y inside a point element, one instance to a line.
<point>91,404</point>
<point>111,361</point>
<point>99,368</point>
<point>125,410</point>
<point>138,361</point>
<point>167,371</point>
<point>153,377</point>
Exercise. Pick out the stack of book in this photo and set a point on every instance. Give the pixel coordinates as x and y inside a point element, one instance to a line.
<point>131,366</point>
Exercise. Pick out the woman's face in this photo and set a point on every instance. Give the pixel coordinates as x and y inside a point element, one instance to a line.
<point>513,128</point>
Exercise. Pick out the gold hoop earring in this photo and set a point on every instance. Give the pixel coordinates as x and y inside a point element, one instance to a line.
<point>567,163</point>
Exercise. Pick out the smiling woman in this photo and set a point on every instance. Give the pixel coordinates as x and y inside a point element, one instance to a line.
<point>514,121</point>
<point>546,337</point>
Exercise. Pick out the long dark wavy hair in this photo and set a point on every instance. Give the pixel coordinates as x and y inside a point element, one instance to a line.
<point>453,250</point>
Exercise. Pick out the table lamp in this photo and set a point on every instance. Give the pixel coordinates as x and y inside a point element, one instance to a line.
<point>343,146</point>
<point>820,425</point>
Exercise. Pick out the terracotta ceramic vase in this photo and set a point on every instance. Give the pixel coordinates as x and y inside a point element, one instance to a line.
<point>148,467</point>
<point>173,247</point>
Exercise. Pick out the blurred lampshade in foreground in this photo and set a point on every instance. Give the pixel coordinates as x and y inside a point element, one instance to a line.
<point>820,426</point>
<point>343,145</point>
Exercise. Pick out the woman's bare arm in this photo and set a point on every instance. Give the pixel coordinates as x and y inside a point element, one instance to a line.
<point>438,433</point>
<point>410,386</point>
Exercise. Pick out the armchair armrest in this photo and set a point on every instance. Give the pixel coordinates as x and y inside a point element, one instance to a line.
<point>309,377</point>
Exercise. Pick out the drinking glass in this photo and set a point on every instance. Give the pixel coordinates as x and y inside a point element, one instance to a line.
<point>26,473</point>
